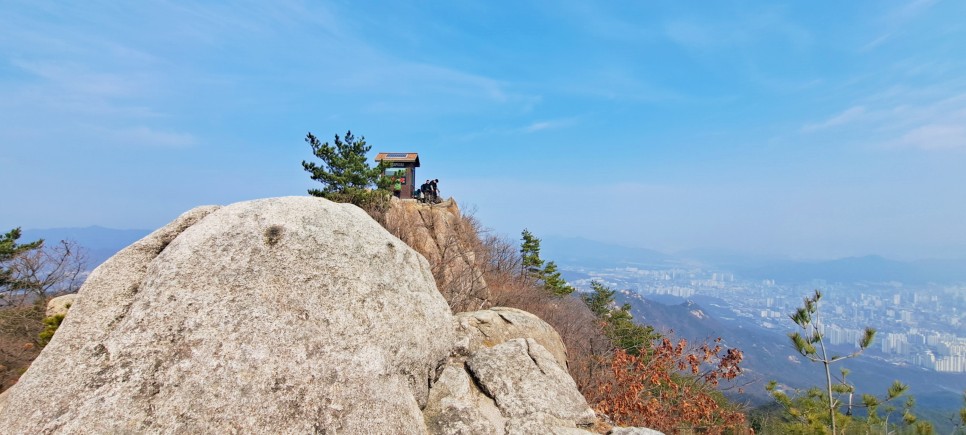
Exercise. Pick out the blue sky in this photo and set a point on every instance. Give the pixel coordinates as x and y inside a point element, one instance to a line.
<point>806,129</point>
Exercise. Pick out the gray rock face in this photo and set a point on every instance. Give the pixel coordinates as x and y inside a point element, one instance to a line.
<point>284,315</point>
<point>487,328</point>
<point>514,387</point>
<point>529,386</point>
<point>457,406</point>
<point>503,379</point>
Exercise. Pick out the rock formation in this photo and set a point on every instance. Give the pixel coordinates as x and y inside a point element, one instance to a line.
<point>287,315</point>
<point>449,241</point>
<point>503,379</point>
<point>488,328</point>
<point>60,304</point>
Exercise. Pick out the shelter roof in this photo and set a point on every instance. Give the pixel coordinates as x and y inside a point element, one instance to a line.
<point>399,157</point>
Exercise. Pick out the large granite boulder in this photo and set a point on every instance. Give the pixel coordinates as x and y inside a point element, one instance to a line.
<point>288,315</point>
<point>283,315</point>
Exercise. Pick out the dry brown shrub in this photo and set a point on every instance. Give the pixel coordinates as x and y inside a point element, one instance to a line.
<point>19,327</point>
<point>464,255</point>
<point>53,269</point>
<point>450,241</point>
<point>672,389</point>
<point>588,349</point>
<point>686,402</point>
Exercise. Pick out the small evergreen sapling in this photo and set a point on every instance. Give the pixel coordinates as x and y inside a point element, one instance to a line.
<point>806,408</point>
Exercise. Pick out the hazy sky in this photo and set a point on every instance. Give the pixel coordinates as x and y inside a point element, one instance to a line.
<point>810,129</point>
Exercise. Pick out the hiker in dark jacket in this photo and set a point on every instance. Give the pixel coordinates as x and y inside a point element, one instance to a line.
<point>426,191</point>
<point>434,186</point>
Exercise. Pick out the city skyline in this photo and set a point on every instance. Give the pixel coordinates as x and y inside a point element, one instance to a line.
<point>803,130</point>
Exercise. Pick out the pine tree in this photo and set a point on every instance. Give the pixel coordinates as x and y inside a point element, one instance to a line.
<point>619,325</point>
<point>345,173</point>
<point>819,408</point>
<point>535,269</point>
<point>9,249</point>
<point>554,282</point>
<point>600,300</point>
<point>530,260</point>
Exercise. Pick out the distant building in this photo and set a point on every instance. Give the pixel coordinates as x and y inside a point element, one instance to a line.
<point>402,167</point>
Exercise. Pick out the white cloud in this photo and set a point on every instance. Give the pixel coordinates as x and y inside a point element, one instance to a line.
<point>549,125</point>
<point>850,115</point>
<point>936,137</point>
<point>926,118</point>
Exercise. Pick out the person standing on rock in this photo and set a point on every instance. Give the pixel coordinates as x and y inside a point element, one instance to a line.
<point>424,188</point>
<point>434,185</point>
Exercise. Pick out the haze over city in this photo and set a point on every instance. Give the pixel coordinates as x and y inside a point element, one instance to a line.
<point>783,128</point>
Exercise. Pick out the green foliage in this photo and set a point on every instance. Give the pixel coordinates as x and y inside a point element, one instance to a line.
<point>345,173</point>
<point>805,341</point>
<point>818,410</point>
<point>534,267</point>
<point>619,325</point>
<point>10,249</point>
<point>805,412</point>
<point>553,282</point>
<point>530,253</point>
<point>923,428</point>
<point>962,412</point>
<point>600,300</point>
<point>51,323</point>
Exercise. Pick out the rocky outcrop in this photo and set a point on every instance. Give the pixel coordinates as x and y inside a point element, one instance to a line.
<point>487,328</point>
<point>286,315</point>
<point>449,241</point>
<point>503,379</point>
<point>60,304</point>
<point>529,387</point>
<point>458,406</point>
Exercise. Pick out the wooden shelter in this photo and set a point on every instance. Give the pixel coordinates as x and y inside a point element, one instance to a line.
<point>402,166</point>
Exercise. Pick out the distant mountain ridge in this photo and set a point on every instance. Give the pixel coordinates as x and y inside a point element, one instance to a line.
<point>870,268</point>
<point>687,319</point>
<point>576,250</point>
